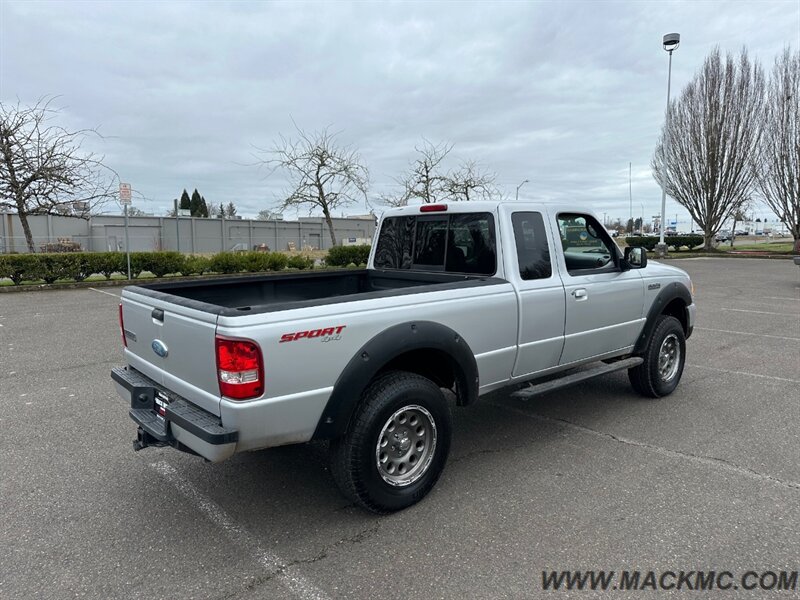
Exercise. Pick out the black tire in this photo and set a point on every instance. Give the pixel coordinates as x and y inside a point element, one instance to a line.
<point>356,456</point>
<point>648,378</point>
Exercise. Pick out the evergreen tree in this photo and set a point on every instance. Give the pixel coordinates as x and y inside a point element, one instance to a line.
<point>221,210</point>
<point>203,208</point>
<point>194,204</point>
<point>230,211</point>
<point>185,202</point>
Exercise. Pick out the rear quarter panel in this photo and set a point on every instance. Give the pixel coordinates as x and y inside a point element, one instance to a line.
<point>300,374</point>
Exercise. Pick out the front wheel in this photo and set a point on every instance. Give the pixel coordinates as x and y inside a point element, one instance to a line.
<point>397,444</point>
<point>664,359</point>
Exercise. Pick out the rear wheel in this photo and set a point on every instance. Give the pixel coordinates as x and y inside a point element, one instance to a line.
<point>397,444</point>
<point>664,359</point>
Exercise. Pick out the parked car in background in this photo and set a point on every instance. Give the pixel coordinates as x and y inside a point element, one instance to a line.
<point>723,236</point>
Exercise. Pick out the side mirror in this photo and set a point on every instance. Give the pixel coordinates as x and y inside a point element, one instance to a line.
<point>636,257</point>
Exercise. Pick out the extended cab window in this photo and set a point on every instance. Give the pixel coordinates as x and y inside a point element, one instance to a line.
<point>586,245</point>
<point>533,253</point>
<point>462,243</point>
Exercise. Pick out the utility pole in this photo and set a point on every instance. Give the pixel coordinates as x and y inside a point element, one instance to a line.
<point>630,194</point>
<point>670,43</point>
<point>177,228</point>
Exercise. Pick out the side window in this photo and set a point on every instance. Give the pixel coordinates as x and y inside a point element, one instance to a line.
<point>533,252</point>
<point>585,246</point>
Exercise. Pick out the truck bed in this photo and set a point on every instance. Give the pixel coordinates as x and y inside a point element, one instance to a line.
<point>267,293</point>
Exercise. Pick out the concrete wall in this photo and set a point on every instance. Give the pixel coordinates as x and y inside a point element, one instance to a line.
<point>107,232</point>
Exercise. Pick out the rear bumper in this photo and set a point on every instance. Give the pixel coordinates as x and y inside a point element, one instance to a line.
<point>183,425</point>
<point>796,260</point>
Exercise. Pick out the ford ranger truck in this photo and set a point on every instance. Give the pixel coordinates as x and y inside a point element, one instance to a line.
<point>468,297</point>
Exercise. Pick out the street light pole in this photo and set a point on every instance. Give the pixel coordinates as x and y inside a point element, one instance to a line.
<point>630,193</point>
<point>670,43</point>
<point>519,186</point>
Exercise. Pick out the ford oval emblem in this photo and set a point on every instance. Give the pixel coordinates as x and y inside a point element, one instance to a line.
<point>159,348</point>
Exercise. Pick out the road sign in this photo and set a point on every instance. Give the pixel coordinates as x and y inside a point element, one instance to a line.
<point>125,193</point>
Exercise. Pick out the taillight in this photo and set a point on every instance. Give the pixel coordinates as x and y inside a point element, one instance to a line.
<point>122,326</point>
<point>433,208</point>
<point>240,368</point>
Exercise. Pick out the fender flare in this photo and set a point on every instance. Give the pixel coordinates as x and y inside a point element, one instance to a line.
<point>665,296</point>
<point>381,350</point>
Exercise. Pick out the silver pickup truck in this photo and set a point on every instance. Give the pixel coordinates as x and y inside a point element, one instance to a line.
<point>466,297</point>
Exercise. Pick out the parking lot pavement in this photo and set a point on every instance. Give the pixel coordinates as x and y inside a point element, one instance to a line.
<point>590,477</point>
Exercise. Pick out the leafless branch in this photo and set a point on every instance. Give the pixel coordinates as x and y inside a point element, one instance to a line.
<point>777,164</point>
<point>322,174</point>
<point>713,133</point>
<point>44,168</point>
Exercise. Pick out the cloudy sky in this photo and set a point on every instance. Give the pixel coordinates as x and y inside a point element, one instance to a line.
<point>564,94</point>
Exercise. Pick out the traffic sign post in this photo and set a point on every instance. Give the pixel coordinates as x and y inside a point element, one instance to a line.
<point>125,199</point>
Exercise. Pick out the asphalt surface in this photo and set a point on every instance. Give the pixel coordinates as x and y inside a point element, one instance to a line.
<point>593,477</point>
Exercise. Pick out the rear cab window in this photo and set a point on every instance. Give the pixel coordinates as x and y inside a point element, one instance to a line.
<point>454,243</point>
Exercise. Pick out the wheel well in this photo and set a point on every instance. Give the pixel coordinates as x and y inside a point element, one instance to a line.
<point>436,365</point>
<point>677,308</point>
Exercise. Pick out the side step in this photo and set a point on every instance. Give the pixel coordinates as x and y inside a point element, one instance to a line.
<point>579,377</point>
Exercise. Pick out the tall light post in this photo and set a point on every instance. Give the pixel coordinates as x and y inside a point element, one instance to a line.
<point>670,43</point>
<point>519,186</point>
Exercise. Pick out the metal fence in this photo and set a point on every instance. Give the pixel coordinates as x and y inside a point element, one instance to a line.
<point>54,233</point>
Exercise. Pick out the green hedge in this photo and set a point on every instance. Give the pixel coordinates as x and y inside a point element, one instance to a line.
<point>341,256</point>
<point>675,241</point>
<point>195,265</point>
<point>77,266</point>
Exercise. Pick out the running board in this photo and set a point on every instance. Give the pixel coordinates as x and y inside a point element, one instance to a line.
<point>579,377</point>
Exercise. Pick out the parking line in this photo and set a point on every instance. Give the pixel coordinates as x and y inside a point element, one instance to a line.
<point>286,573</point>
<point>765,335</point>
<point>780,298</point>
<point>743,373</point>
<point>102,292</point>
<point>761,312</point>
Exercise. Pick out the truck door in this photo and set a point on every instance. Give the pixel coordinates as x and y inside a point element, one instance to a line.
<point>604,303</point>
<point>540,294</point>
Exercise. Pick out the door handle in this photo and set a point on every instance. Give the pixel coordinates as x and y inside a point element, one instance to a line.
<point>580,294</point>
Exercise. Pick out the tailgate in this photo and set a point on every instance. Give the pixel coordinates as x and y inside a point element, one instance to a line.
<point>174,346</point>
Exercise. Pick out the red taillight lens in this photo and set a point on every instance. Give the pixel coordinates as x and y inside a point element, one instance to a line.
<point>240,368</point>
<point>122,326</point>
<point>433,208</point>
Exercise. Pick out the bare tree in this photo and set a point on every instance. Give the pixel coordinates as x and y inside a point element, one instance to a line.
<point>777,167</point>
<point>322,174</point>
<point>43,167</point>
<point>428,182</point>
<point>425,179</point>
<point>470,182</point>
<point>713,132</point>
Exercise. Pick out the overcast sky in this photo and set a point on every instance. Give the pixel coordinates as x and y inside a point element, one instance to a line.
<point>564,94</point>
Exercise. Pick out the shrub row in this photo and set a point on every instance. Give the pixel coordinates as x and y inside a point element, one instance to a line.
<point>674,241</point>
<point>341,256</point>
<point>79,265</point>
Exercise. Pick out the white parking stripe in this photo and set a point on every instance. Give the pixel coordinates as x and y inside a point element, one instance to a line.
<point>743,373</point>
<point>780,298</point>
<point>287,574</point>
<point>764,335</point>
<point>761,312</point>
<point>106,293</point>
